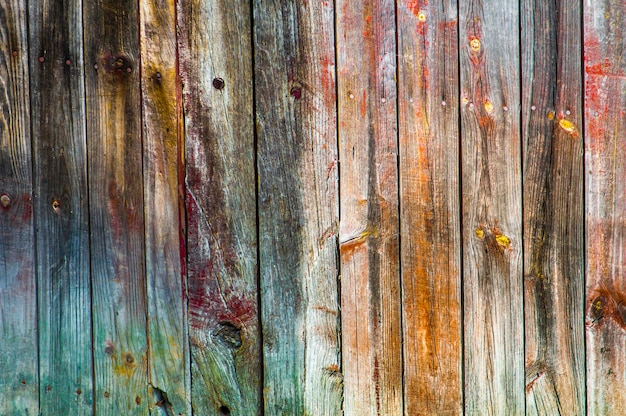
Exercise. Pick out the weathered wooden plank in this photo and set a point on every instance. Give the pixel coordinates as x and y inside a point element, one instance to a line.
<point>18,316</point>
<point>605,175</point>
<point>298,206</point>
<point>491,207</point>
<point>61,211</point>
<point>216,69</point>
<point>369,234</point>
<point>553,207</point>
<point>113,111</point>
<point>428,88</point>
<point>168,353</point>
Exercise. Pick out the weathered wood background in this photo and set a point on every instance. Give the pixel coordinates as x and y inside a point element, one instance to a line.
<point>297,207</point>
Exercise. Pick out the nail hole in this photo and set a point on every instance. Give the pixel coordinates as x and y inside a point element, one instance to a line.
<point>106,394</point>
<point>224,410</point>
<point>218,83</point>
<point>296,92</point>
<point>56,205</point>
<point>14,54</point>
<point>78,391</point>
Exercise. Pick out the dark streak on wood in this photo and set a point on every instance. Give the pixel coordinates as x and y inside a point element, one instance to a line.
<point>61,211</point>
<point>298,196</point>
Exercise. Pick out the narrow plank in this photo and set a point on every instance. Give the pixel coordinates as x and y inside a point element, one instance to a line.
<point>369,233</point>
<point>113,111</point>
<point>605,176</point>
<point>553,207</point>
<point>428,88</point>
<point>491,207</point>
<point>298,206</point>
<point>61,211</point>
<point>18,314</point>
<point>168,353</point>
<point>216,69</point>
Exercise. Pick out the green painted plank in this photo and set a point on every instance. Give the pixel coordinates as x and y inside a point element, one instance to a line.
<point>298,206</point>
<point>491,207</point>
<point>428,89</point>
<point>113,110</point>
<point>369,228</point>
<point>19,391</point>
<point>553,207</point>
<point>605,179</point>
<point>216,70</point>
<point>61,211</point>
<point>168,353</point>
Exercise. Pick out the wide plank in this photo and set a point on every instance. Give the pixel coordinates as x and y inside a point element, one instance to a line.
<point>19,388</point>
<point>605,210</point>
<point>216,70</point>
<point>428,114</point>
<point>491,207</point>
<point>168,354</point>
<point>553,207</point>
<point>369,228</point>
<point>61,209</point>
<point>113,114</point>
<point>298,206</point>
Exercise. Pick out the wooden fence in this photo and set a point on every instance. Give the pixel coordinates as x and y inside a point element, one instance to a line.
<point>298,207</point>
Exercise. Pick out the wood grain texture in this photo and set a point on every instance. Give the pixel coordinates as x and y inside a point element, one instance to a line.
<point>18,316</point>
<point>113,110</point>
<point>298,206</point>
<point>605,174</point>
<point>553,207</point>
<point>428,88</point>
<point>216,69</point>
<point>369,230</point>
<point>168,353</point>
<point>61,207</point>
<point>491,207</point>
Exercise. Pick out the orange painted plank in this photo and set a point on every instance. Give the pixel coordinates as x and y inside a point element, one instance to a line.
<point>605,177</point>
<point>369,229</point>
<point>553,207</point>
<point>430,206</point>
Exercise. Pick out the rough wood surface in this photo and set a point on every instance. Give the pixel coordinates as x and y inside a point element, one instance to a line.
<point>216,69</point>
<point>430,206</point>
<point>168,356</point>
<point>61,207</point>
<point>113,111</point>
<point>298,206</point>
<point>369,234</point>
<point>491,207</point>
<point>605,170</point>
<point>553,207</point>
<point>19,391</point>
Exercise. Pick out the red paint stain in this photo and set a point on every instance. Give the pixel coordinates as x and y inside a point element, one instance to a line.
<point>364,104</point>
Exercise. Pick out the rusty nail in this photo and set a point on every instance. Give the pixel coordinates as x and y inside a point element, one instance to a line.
<point>218,83</point>
<point>41,59</point>
<point>5,200</point>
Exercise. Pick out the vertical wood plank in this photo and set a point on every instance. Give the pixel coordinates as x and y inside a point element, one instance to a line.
<point>167,337</point>
<point>298,206</point>
<point>553,207</point>
<point>216,69</point>
<point>113,112</point>
<point>605,175</point>
<point>61,211</point>
<point>491,207</point>
<point>428,88</point>
<point>369,234</point>
<point>18,314</point>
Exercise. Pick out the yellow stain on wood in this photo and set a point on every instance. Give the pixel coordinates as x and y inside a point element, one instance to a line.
<point>475,45</point>
<point>569,127</point>
<point>421,16</point>
<point>503,240</point>
<point>550,115</point>
<point>480,233</point>
<point>488,107</point>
